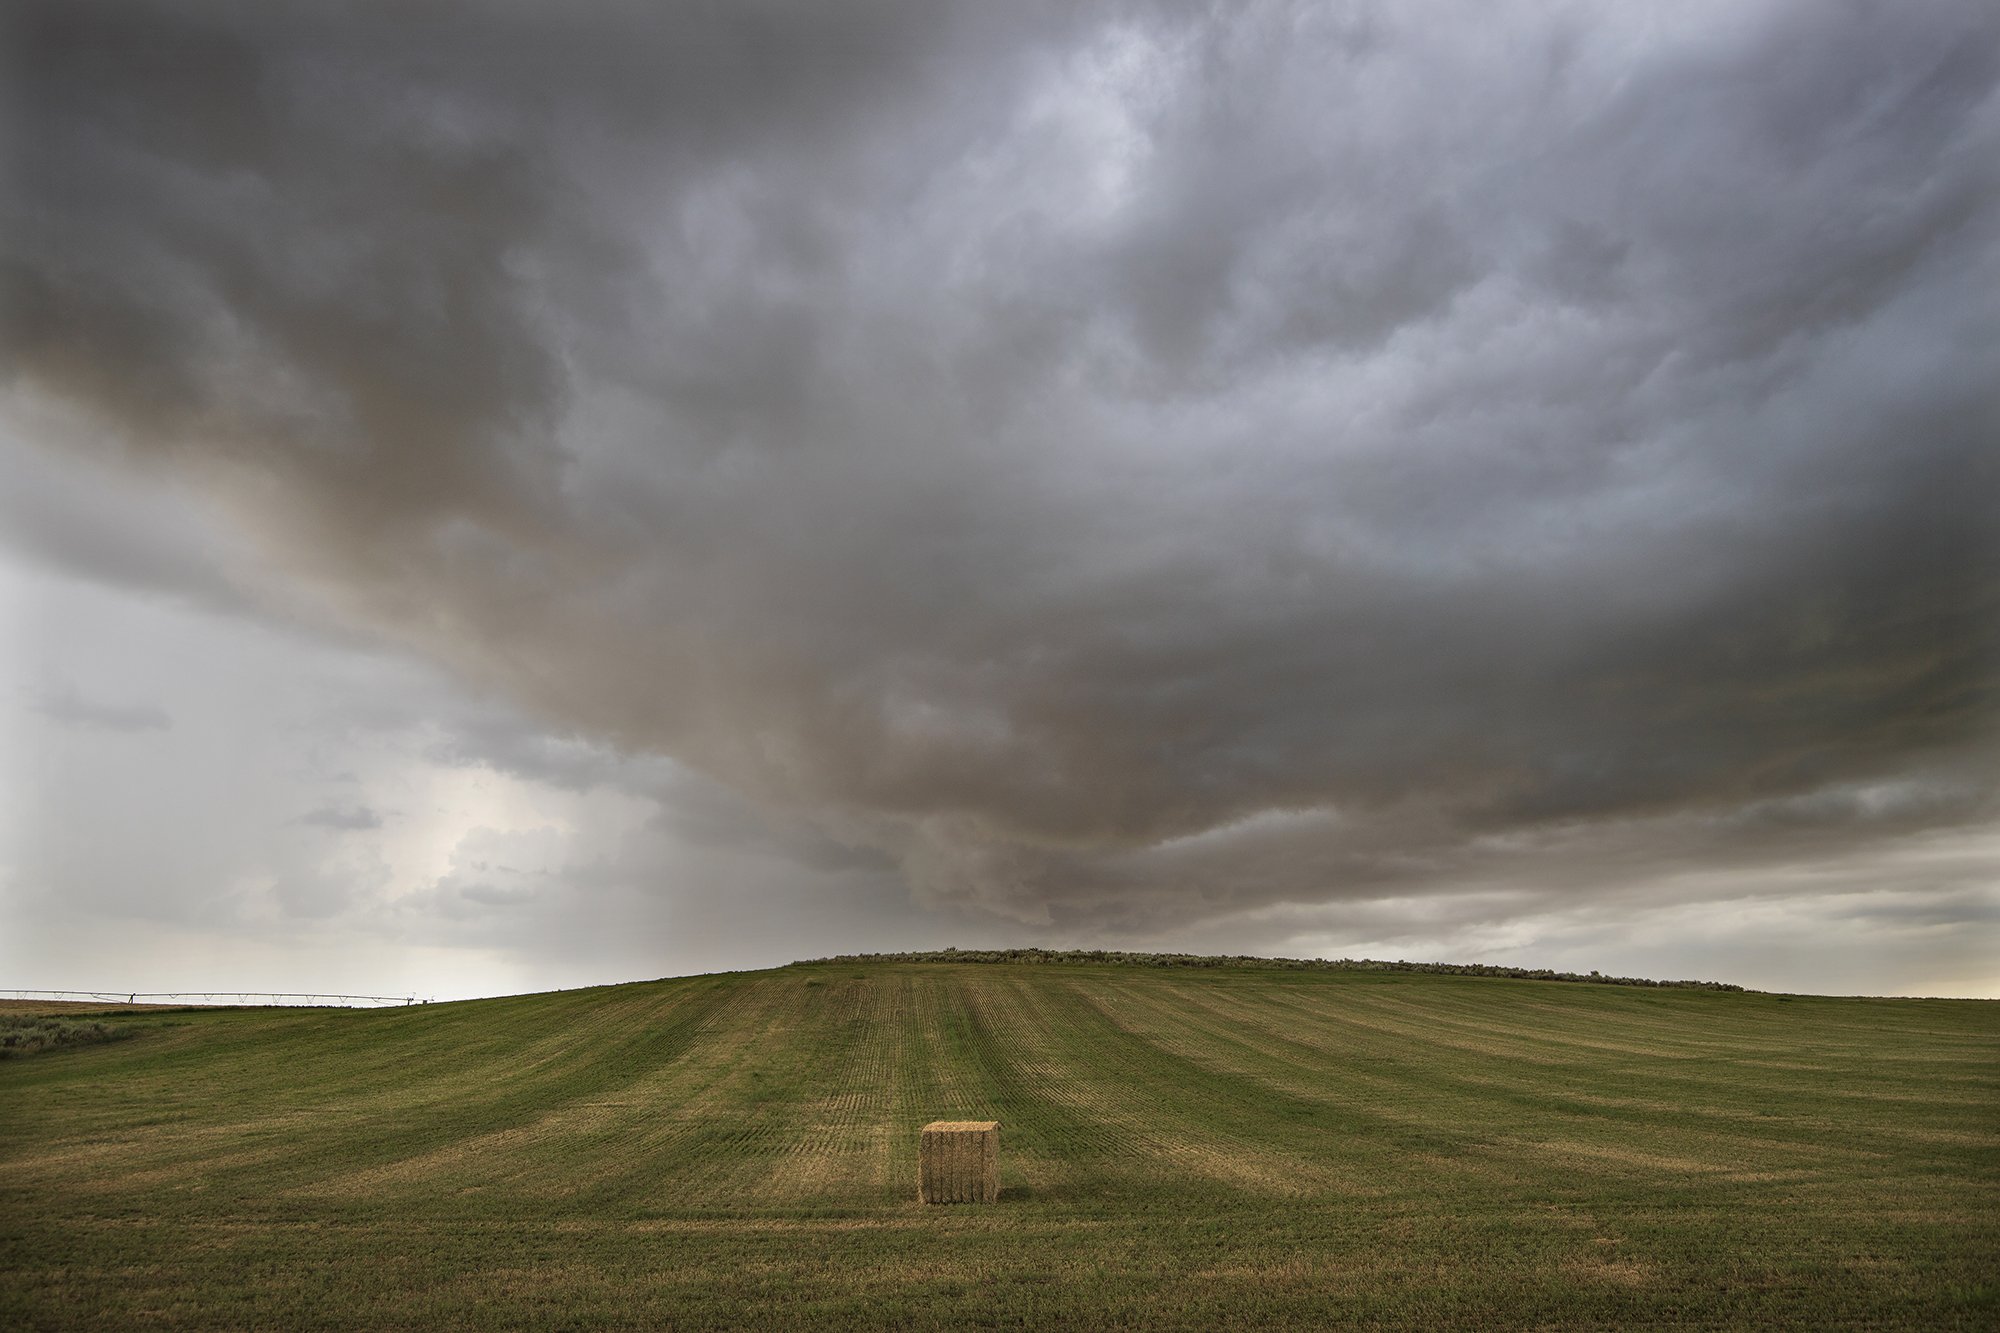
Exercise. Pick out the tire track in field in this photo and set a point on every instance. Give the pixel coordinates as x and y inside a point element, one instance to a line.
<point>1554,1035</point>
<point>1363,1113</point>
<point>1680,1128</point>
<point>1457,1122</point>
<point>809,1116</point>
<point>551,1149</point>
<point>702,1139</point>
<point>1109,1084</point>
<point>318,1122</point>
<point>976,1080</point>
<point>839,1133</point>
<point>1724,1072</point>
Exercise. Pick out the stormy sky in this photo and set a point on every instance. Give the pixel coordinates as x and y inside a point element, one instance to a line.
<point>510,495</point>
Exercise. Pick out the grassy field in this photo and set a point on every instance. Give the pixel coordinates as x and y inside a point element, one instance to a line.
<point>1213,1149</point>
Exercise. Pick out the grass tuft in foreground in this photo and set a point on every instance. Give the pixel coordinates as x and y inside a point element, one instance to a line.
<point>30,1034</point>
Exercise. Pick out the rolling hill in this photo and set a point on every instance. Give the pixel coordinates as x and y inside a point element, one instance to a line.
<point>1213,1147</point>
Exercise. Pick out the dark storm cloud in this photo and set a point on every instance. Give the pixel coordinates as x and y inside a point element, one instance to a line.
<point>1123,464</point>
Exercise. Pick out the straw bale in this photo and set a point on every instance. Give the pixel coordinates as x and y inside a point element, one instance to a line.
<point>958,1161</point>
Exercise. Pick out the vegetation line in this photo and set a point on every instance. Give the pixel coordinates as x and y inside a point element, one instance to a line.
<point>1124,958</point>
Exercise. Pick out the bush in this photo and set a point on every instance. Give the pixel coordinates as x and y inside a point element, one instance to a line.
<point>27,1034</point>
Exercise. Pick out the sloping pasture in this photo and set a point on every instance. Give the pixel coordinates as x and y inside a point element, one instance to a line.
<point>1214,1148</point>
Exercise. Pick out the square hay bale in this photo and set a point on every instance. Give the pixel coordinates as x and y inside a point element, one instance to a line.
<point>958,1161</point>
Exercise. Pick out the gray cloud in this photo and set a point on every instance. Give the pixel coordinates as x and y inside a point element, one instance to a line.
<point>489,895</point>
<point>72,710</point>
<point>345,819</point>
<point>1118,465</point>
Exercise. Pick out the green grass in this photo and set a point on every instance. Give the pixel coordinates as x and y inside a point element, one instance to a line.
<point>1207,1148</point>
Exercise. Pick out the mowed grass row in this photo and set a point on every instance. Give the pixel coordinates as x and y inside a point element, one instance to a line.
<point>1208,1148</point>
